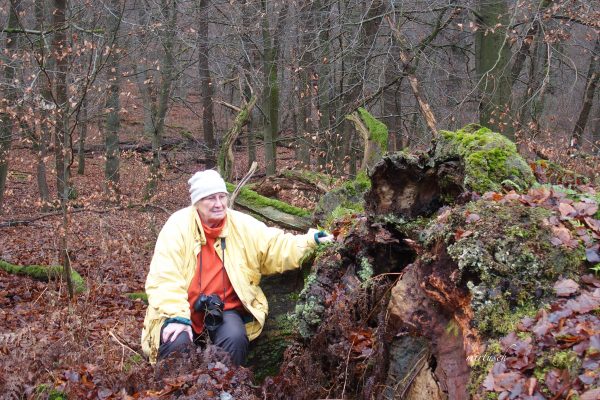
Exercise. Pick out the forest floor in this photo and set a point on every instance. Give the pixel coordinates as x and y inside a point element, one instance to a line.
<point>89,347</point>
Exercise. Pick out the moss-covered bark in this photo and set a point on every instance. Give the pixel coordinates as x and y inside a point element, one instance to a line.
<point>490,160</point>
<point>44,273</point>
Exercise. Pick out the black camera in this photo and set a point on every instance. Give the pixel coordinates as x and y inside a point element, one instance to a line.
<point>212,306</point>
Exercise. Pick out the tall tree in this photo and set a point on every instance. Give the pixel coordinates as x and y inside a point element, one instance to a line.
<point>62,135</point>
<point>591,83</point>
<point>492,55</point>
<point>206,86</point>
<point>6,121</point>
<point>41,144</point>
<point>168,9</point>
<point>111,133</point>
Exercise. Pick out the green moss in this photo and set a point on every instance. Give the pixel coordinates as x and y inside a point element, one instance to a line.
<point>132,362</point>
<point>483,364</point>
<point>555,359</point>
<point>47,392</point>
<point>377,129</point>
<point>310,176</point>
<point>498,318</point>
<point>506,261</point>
<point>344,200</point>
<point>187,135</point>
<point>490,158</point>
<point>566,359</point>
<point>138,295</point>
<point>251,196</point>
<point>341,211</point>
<point>44,273</point>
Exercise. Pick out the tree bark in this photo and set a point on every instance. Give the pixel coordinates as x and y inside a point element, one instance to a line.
<point>83,126</point>
<point>410,72</point>
<point>593,77</point>
<point>492,55</point>
<point>62,138</point>
<point>111,133</point>
<point>206,87</point>
<point>169,10</point>
<point>270,64</point>
<point>40,146</point>
<point>225,158</point>
<point>6,122</point>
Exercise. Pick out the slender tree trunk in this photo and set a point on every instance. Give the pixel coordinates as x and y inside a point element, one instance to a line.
<point>249,56</point>
<point>6,122</point>
<point>45,86</point>
<point>206,88</point>
<point>169,8</point>
<point>111,133</point>
<point>83,126</point>
<point>588,97</point>
<point>62,138</point>
<point>272,89</point>
<point>492,55</point>
<point>305,95</point>
<point>532,103</point>
<point>323,87</point>
<point>145,83</point>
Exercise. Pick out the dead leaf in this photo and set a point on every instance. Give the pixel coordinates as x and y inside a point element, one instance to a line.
<point>566,210</point>
<point>586,208</point>
<point>592,255</point>
<point>566,287</point>
<point>593,394</point>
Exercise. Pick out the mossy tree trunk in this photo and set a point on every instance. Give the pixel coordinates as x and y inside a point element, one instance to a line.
<point>374,134</point>
<point>225,158</point>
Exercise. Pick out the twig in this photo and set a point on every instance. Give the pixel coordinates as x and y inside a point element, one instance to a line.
<point>121,343</point>
<point>413,373</point>
<point>8,224</point>
<point>242,183</point>
<point>230,106</point>
<point>346,371</point>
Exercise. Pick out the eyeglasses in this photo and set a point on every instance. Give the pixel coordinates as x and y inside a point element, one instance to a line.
<point>218,197</point>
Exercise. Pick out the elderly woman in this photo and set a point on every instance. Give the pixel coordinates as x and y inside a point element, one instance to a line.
<point>205,272</point>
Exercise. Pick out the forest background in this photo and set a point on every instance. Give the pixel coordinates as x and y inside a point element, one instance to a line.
<point>109,106</point>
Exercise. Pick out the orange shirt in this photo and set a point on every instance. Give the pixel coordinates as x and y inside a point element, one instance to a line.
<point>213,278</point>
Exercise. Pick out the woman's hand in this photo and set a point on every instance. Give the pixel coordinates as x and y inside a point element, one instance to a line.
<point>172,330</point>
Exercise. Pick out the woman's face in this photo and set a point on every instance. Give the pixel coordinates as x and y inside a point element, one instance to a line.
<point>213,208</point>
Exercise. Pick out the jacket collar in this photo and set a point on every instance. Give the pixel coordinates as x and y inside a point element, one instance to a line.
<point>199,232</point>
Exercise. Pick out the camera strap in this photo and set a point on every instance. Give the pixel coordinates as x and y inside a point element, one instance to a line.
<point>222,269</point>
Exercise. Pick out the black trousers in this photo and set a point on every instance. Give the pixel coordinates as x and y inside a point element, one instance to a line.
<point>230,336</point>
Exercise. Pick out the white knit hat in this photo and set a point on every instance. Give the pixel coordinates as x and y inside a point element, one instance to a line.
<point>205,183</point>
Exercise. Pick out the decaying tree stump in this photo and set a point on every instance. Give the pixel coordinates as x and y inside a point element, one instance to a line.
<point>413,291</point>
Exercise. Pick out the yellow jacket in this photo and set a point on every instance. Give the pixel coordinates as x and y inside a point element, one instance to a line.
<point>251,249</point>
